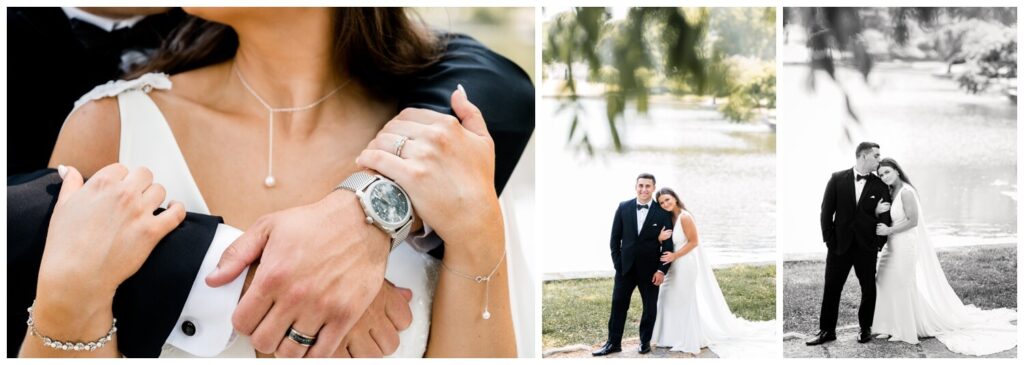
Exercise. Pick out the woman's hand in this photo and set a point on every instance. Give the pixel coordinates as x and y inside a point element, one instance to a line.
<point>668,257</point>
<point>665,234</point>
<point>446,167</point>
<point>102,231</point>
<point>882,230</point>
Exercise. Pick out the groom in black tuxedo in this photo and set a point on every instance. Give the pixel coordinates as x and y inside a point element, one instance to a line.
<point>636,253</point>
<point>855,202</point>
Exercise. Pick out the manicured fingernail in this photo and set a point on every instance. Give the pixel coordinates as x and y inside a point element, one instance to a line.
<point>62,171</point>
<point>463,90</point>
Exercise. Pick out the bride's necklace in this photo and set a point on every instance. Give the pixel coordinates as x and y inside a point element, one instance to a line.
<point>270,181</point>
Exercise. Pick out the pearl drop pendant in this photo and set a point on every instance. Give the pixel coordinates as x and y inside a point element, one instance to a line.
<point>269,182</point>
<point>487,314</point>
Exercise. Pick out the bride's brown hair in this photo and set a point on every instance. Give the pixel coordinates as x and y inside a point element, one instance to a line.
<point>679,202</point>
<point>895,166</point>
<point>383,47</point>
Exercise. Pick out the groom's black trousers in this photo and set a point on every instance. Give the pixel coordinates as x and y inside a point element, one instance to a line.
<point>621,295</point>
<point>837,269</point>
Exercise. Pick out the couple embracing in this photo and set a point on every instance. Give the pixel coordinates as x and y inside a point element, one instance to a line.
<point>872,221</point>
<point>655,247</point>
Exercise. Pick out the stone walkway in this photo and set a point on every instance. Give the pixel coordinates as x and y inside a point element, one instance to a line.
<point>847,346</point>
<point>629,351</point>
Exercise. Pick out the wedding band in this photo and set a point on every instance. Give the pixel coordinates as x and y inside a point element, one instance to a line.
<point>399,144</point>
<point>300,338</point>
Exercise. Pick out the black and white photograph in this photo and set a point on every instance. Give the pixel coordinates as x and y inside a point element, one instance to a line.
<point>898,182</point>
<point>658,183</point>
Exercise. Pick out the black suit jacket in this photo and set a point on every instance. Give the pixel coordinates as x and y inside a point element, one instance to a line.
<point>641,250</point>
<point>148,304</point>
<point>847,224</point>
<point>50,67</point>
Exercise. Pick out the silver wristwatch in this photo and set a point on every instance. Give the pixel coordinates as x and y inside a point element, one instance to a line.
<point>386,204</point>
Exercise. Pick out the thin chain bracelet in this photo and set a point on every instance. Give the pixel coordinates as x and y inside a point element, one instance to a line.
<point>481,279</point>
<point>68,345</point>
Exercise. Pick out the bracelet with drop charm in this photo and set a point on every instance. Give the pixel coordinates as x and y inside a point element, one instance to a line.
<point>481,279</point>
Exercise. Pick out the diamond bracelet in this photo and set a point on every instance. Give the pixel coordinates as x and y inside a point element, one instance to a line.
<point>68,345</point>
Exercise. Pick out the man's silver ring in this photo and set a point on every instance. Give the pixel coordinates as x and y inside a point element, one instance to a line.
<point>300,338</point>
<point>399,144</point>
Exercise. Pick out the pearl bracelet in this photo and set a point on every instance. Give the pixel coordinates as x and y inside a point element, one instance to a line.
<point>68,345</point>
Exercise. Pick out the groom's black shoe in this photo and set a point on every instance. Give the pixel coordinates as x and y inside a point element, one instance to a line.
<point>608,348</point>
<point>823,337</point>
<point>645,348</point>
<point>865,336</point>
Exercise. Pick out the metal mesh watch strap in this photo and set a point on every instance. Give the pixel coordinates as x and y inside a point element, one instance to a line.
<point>400,236</point>
<point>357,181</point>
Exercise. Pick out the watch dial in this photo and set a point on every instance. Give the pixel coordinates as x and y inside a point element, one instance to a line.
<point>390,204</point>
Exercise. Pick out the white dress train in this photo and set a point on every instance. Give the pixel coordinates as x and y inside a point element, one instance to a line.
<point>915,299</point>
<point>693,313</point>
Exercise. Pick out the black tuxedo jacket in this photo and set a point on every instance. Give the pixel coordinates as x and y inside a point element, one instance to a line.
<point>641,250</point>
<point>51,65</point>
<point>847,224</point>
<point>148,304</point>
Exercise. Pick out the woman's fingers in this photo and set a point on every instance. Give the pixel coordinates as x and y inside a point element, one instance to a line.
<point>363,345</point>
<point>386,338</point>
<point>153,196</point>
<point>468,113</point>
<point>411,129</point>
<point>169,219</point>
<point>72,182</point>
<point>426,116</point>
<point>138,179</point>
<point>114,172</point>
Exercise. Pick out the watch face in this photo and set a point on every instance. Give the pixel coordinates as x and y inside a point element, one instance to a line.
<point>390,204</point>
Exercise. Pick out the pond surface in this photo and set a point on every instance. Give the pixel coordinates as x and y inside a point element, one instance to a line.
<point>959,150</point>
<point>723,171</point>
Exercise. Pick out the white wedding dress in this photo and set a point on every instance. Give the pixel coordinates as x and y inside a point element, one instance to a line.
<point>693,313</point>
<point>915,299</point>
<point>147,140</point>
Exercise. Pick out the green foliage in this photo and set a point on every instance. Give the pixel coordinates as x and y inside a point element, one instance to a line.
<point>652,48</point>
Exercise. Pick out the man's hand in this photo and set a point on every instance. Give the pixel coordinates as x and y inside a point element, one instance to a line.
<point>376,333</point>
<point>659,277</point>
<point>882,207</point>
<point>320,267</point>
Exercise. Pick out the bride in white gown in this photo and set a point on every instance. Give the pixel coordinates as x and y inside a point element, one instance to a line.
<point>692,312</point>
<point>914,297</point>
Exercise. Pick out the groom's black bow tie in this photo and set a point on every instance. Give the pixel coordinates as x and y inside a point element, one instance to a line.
<point>862,177</point>
<point>643,206</point>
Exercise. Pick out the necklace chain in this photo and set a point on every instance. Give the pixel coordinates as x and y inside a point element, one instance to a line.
<point>270,181</point>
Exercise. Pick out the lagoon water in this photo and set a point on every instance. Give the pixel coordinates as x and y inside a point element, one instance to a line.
<point>724,172</point>
<point>959,150</point>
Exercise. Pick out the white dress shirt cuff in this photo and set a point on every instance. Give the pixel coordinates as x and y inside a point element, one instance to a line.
<point>207,311</point>
<point>425,241</point>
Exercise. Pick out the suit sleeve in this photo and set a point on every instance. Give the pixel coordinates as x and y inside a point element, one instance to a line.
<point>667,245</point>
<point>885,218</point>
<point>616,239</point>
<point>147,305</point>
<point>828,210</point>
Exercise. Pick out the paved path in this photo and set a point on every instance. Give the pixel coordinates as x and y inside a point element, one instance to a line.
<point>847,346</point>
<point>629,351</point>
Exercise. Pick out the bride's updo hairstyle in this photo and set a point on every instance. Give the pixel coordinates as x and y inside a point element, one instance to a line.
<point>673,194</point>
<point>895,166</point>
<point>381,48</point>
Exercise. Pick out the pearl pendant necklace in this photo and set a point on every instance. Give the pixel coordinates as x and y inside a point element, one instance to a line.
<point>270,181</point>
<point>486,280</point>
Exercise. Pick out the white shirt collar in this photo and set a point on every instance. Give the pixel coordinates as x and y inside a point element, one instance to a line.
<point>648,202</point>
<point>102,22</point>
<point>857,173</point>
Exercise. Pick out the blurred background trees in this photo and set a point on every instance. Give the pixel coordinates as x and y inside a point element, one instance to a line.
<point>629,56</point>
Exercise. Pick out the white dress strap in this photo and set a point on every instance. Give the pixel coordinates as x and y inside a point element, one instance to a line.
<point>146,138</point>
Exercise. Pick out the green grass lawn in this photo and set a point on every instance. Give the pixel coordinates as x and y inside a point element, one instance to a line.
<point>983,276</point>
<point>576,311</point>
